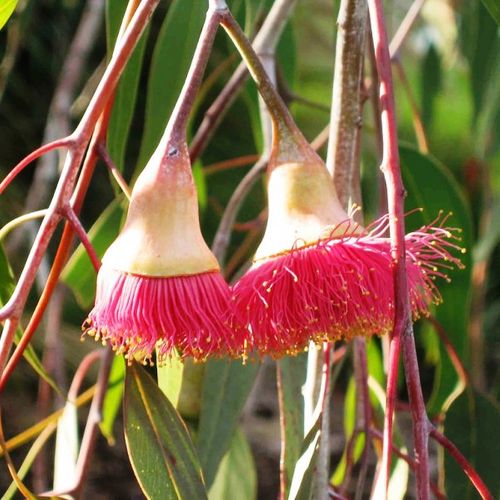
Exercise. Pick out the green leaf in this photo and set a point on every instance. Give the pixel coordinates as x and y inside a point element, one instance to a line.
<point>301,487</point>
<point>181,382</point>
<point>159,446</point>
<point>171,59</point>
<point>472,425</point>
<point>6,10</point>
<point>226,386</point>
<point>126,92</point>
<point>480,44</point>
<point>66,450</point>
<point>493,7</point>
<point>113,398</point>
<point>236,472</point>
<point>6,289</point>
<point>292,372</point>
<point>431,186</point>
<point>431,83</point>
<point>79,273</point>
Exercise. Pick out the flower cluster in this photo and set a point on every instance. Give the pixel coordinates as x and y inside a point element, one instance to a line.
<point>317,275</point>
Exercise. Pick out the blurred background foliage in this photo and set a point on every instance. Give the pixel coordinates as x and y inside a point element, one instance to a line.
<point>451,62</point>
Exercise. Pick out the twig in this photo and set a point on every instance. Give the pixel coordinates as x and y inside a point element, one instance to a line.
<point>106,158</point>
<point>405,27</point>
<point>345,121</point>
<point>402,330</point>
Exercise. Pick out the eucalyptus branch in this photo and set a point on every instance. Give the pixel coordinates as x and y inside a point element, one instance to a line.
<point>403,328</point>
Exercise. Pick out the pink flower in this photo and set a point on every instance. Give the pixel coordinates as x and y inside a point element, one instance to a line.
<point>160,286</point>
<point>339,287</point>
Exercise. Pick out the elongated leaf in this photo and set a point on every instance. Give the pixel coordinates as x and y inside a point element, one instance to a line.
<point>293,375</point>
<point>113,398</point>
<point>472,425</point>
<point>236,472</point>
<point>301,487</point>
<point>430,186</point>
<point>226,386</point>
<point>493,7</point>
<point>6,9</point>
<point>172,56</point>
<point>66,452</point>
<point>159,446</point>
<point>29,354</point>
<point>79,274</point>
<point>126,92</point>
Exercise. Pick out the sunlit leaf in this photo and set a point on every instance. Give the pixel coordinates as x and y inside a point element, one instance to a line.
<point>226,386</point>
<point>159,446</point>
<point>7,7</point>
<point>113,398</point>
<point>293,374</point>
<point>236,472</point>
<point>493,7</point>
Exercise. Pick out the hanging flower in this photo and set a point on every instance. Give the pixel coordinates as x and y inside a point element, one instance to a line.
<point>317,275</point>
<point>160,286</point>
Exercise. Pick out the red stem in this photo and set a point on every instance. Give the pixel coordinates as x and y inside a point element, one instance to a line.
<point>464,464</point>
<point>402,332</point>
<point>59,143</point>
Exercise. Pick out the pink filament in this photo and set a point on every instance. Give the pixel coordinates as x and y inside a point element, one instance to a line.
<point>337,288</point>
<point>137,314</point>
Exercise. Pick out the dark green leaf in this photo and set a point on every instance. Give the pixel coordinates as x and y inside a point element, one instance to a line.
<point>493,7</point>
<point>226,386</point>
<point>292,372</point>
<point>480,44</point>
<point>113,398</point>
<point>472,425</point>
<point>431,186</point>
<point>431,83</point>
<point>126,92</point>
<point>159,446</point>
<point>79,273</point>
<point>236,472</point>
<point>171,59</point>
<point>6,9</point>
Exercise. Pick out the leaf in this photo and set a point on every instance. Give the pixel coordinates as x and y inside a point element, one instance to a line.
<point>493,7</point>
<point>432,187</point>
<point>292,373</point>
<point>236,472</point>
<point>480,45</point>
<point>126,92</point>
<point>66,450</point>
<point>159,446</point>
<point>431,83</point>
<point>472,425</point>
<point>301,487</point>
<point>181,382</point>
<point>171,59</point>
<point>6,10</point>
<point>113,398</point>
<point>226,386</point>
<point>6,289</point>
<point>79,273</point>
